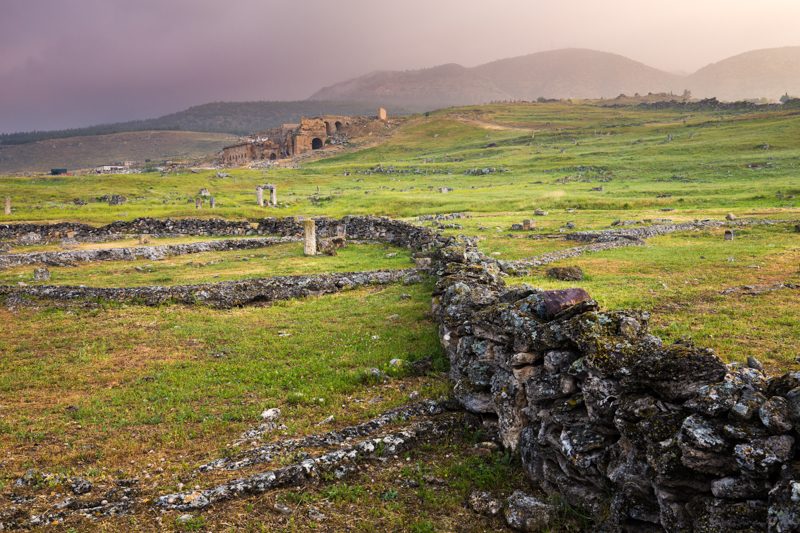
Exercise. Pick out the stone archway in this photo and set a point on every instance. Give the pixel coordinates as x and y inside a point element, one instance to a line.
<point>316,143</point>
<point>273,156</point>
<point>338,126</point>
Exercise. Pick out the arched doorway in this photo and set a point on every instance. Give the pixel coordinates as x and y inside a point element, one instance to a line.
<point>316,143</point>
<point>338,126</point>
<point>273,156</point>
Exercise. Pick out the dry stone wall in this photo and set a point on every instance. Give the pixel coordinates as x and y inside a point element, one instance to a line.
<point>644,435</point>
<point>153,253</point>
<point>222,295</point>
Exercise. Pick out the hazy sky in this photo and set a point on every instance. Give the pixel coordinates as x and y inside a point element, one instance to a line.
<point>67,63</point>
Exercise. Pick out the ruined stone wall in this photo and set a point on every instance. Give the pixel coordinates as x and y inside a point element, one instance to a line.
<point>646,436</point>
<point>222,295</point>
<point>152,253</point>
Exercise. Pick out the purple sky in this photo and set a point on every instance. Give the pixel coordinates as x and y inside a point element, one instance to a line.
<point>69,63</point>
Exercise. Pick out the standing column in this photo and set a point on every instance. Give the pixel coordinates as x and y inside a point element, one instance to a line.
<point>273,196</point>
<point>198,203</point>
<point>310,231</point>
<point>212,202</point>
<point>260,196</point>
<point>8,205</point>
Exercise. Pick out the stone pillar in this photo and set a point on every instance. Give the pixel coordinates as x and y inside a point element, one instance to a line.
<point>8,205</point>
<point>728,234</point>
<point>527,224</point>
<point>260,196</point>
<point>273,196</point>
<point>198,203</point>
<point>213,202</point>
<point>310,231</point>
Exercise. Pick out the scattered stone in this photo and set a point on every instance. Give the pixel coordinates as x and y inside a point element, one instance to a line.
<point>41,274</point>
<point>184,518</point>
<point>570,273</point>
<point>483,503</point>
<point>271,415</point>
<point>282,508</point>
<point>728,234</point>
<point>80,486</point>
<point>539,212</point>
<point>730,217</point>
<point>204,192</point>
<point>315,515</point>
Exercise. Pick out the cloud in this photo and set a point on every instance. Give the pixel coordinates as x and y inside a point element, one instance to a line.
<point>70,63</point>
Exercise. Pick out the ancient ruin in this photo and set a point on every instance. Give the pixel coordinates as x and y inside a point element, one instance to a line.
<point>290,140</point>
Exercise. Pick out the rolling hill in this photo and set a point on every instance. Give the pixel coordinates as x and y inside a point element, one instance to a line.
<point>238,118</point>
<point>572,73</point>
<point>760,73</point>
<point>93,150</point>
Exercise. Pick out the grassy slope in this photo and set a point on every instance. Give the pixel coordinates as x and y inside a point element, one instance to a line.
<point>94,150</point>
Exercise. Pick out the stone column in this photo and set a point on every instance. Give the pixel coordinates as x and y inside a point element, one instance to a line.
<point>273,196</point>
<point>198,203</point>
<point>213,202</point>
<point>728,234</point>
<point>8,205</point>
<point>310,230</point>
<point>527,224</point>
<point>260,196</point>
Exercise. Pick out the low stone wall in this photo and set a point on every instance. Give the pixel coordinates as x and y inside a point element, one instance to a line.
<point>153,253</point>
<point>369,228</point>
<point>148,226</point>
<point>222,295</point>
<point>645,436</point>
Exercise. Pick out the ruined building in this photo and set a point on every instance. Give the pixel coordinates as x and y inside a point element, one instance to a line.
<point>288,140</point>
<point>294,139</point>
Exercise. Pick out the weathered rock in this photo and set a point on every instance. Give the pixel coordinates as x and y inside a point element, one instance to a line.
<point>774,414</point>
<point>572,273</point>
<point>484,503</point>
<point>783,515</point>
<point>526,513</point>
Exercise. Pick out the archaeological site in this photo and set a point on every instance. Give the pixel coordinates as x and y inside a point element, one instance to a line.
<point>363,267</point>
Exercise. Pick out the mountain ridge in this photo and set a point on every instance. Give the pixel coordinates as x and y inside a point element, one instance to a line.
<point>573,73</point>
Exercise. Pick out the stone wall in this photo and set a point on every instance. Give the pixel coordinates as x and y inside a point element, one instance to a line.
<point>222,295</point>
<point>152,253</point>
<point>368,228</point>
<point>645,436</point>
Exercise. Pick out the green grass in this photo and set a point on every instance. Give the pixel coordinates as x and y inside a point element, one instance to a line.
<point>280,260</point>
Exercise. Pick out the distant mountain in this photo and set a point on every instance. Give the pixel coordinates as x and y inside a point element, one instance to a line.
<point>238,118</point>
<point>757,74</point>
<point>426,88</point>
<point>572,73</point>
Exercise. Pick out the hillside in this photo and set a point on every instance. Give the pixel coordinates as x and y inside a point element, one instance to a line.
<point>94,150</point>
<point>440,86</point>
<point>760,73</point>
<point>238,118</point>
<point>573,73</point>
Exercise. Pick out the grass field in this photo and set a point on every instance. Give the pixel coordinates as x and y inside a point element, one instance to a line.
<point>104,392</point>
